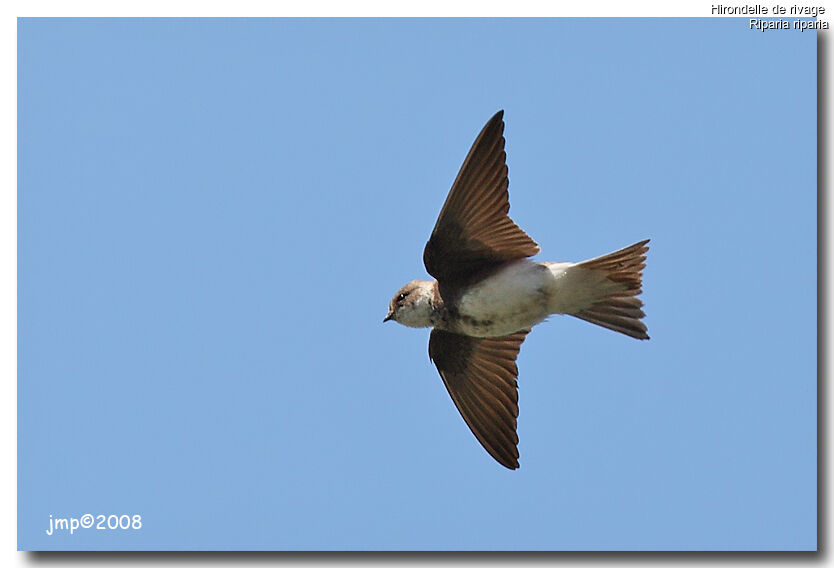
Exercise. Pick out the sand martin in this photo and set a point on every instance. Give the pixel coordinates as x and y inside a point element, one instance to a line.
<point>488,295</point>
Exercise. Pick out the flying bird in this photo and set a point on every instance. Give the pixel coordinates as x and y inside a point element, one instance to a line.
<point>488,295</point>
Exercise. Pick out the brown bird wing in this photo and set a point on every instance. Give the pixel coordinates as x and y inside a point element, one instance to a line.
<point>473,231</point>
<point>480,375</point>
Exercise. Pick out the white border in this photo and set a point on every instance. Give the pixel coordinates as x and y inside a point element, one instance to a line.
<point>8,225</point>
<point>429,8</point>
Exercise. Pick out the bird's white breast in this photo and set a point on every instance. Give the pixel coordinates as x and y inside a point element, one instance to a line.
<point>510,300</point>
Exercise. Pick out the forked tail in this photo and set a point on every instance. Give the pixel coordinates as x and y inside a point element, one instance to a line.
<point>619,309</point>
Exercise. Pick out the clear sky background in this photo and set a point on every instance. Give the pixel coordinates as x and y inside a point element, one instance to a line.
<point>214,214</point>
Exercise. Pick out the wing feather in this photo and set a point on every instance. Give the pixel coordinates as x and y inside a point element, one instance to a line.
<point>480,375</point>
<point>473,232</point>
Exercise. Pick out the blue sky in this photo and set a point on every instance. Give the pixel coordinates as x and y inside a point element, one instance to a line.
<point>214,214</point>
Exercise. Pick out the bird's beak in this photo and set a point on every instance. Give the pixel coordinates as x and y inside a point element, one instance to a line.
<point>388,317</point>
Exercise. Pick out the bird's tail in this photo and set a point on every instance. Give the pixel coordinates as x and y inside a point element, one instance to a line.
<point>610,285</point>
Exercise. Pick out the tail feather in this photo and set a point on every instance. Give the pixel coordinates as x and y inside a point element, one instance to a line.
<point>630,326</point>
<point>620,310</point>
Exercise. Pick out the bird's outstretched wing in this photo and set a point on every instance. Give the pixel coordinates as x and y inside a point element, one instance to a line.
<point>480,375</point>
<point>473,231</point>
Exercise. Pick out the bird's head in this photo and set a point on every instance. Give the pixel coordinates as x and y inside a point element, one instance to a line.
<point>412,304</point>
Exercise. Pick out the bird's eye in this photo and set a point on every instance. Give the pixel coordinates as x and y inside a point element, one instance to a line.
<point>401,297</point>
